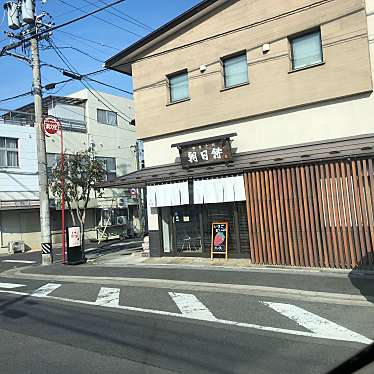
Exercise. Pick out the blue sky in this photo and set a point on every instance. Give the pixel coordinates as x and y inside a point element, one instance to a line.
<point>15,75</point>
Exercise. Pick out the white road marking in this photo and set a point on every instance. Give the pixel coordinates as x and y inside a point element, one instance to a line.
<point>321,327</point>
<point>352,338</point>
<point>191,306</point>
<point>45,290</point>
<point>10,285</point>
<point>20,261</point>
<point>108,297</point>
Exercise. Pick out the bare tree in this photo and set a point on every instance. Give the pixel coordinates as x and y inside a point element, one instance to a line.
<point>82,175</point>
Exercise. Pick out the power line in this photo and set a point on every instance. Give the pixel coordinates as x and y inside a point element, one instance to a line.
<point>89,88</point>
<point>132,18</point>
<point>50,29</point>
<point>102,19</point>
<point>17,96</point>
<point>89,40</point>
<point>79,51</point>
<point>110,86</point>
<point>118,14</point>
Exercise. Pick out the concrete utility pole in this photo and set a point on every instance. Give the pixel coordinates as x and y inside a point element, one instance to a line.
<point>21,16</point>
<point>45,229</point>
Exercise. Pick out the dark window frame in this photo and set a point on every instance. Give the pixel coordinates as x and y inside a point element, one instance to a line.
<point>174,75</point>
<point>291,39</point>
<point>229,57</point>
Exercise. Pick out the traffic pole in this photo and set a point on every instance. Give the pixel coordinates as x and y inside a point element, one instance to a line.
<point>62,160</point>
<point>45,228</point>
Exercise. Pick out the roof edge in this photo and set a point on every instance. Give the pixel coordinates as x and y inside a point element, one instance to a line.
<point>158,32</point>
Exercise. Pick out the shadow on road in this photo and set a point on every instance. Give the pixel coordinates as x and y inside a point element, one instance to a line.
<point>362,279</point>
<point>115,247</point>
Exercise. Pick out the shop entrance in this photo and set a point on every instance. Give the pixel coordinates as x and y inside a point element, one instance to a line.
<point>186,230</point>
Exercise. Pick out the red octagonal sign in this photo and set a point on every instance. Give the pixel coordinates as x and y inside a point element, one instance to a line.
<point>51,126</point>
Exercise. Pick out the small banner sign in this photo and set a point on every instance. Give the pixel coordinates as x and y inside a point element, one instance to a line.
<point>220,232</point>
<point>199,154</point>
<point>74,236</point>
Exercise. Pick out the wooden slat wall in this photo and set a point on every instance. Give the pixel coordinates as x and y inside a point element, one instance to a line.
<point>317,215</point>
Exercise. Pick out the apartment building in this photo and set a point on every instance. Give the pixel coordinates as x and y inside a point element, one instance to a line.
<point>90,120</point>
<point>258,115</point>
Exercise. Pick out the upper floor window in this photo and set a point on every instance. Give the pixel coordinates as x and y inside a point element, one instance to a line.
<point>109,164</point>
<point>235,70</point>
<point>107,117</point>
<point>178,86</point>
<point>9,152</point>
<point>306,49</point>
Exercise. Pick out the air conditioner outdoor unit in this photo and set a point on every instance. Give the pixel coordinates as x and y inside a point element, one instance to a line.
<point>16,246</point>
<point>121,220</point>
<point>122,202</point>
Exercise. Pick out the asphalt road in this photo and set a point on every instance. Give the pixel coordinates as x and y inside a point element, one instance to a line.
<point>67,327</point>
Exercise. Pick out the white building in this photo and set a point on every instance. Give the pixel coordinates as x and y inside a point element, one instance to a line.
<point>95,120</point>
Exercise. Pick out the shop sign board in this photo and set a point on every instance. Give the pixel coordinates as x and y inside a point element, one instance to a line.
<point>220,232</point>
<point>199,154</point>
<point>74,235</point>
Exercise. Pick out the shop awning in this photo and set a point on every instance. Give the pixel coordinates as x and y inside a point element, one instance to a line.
<point>290,155</point>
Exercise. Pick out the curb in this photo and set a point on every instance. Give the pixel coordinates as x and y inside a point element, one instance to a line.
<point>262,291</point>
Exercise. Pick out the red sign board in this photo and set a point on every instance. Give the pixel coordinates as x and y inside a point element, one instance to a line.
<point>51,126</point>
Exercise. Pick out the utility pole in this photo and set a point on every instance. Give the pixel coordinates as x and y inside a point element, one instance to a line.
<point>21,14</point>
<point>45,228</point>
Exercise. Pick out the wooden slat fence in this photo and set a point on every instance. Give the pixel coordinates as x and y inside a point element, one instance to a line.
<point>318,215</point>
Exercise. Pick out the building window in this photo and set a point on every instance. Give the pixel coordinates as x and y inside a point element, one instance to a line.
<point>235,70</point>
<point>306,50</point>
<point>109,164</point>
<point>9,152</point>
<point>107,117</point>
<point>178,86</point>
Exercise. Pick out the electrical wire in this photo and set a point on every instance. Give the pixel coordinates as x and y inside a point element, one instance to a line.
<point>110,86</point>
<point>102,19</point>
<point>119,14</point>
<point>104,101</point>
<point>79,51</point>
<point>50,29</point>
<point>89,40</point>
<point>132,18</point>
<point>17,96</point>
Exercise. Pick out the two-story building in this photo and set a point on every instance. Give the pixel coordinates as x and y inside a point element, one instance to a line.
<point>93,120</point>
<point>19,190</point>
<point>258,114</point>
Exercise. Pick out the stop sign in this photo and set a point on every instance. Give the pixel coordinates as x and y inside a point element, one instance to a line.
<point>51,126</point>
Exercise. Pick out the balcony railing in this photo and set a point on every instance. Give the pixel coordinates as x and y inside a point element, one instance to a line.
<point>67,124</point>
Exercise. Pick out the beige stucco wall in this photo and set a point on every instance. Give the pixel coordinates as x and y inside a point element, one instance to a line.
<point>346,70</point>
<point>334,119</point>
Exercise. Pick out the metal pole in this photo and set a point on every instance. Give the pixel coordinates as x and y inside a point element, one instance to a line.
<point>62,161</point>
<point>45,229</point>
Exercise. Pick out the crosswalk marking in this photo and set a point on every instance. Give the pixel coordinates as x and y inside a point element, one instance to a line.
<point>20,261</point>
<point>45,290</point>
<point>10,285</point>
<point>191,306</point>
<point>321,327</point>
<point>108,297</point>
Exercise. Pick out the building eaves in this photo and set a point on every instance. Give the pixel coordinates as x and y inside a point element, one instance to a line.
<point>307,153</point>
<point>110,63</point>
